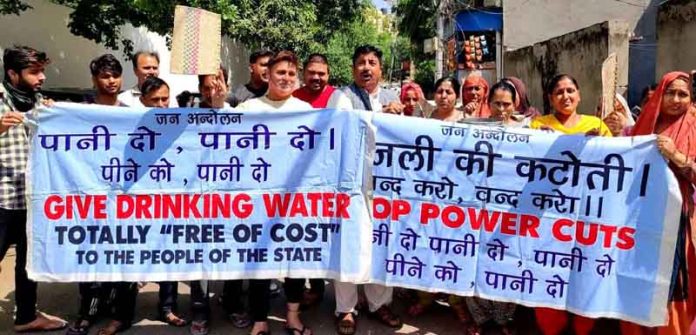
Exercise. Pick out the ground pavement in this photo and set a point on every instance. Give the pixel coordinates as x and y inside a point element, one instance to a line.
<point>62,300</point>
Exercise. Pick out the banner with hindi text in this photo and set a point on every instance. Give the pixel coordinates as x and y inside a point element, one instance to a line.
<point>584,224</point>
<point>126,194</point>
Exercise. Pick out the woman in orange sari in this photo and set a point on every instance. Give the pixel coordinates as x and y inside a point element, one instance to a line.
<point>475,97</point>
<point>670,114</point>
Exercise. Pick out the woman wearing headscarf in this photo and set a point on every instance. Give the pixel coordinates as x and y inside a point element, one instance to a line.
<point>475,97</point>
<point>413,99</point>
<point>669,114</point>
<point>522,105</point>
<point>620,121</point>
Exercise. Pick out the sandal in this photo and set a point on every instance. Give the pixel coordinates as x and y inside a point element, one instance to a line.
<point>114,327</point>
<point>173,320</point>
<point>345,326</point>
<point>42,323</point>
<point>80,327</point>
<point>240,320</point>
<point>199,328</point>
<point>294,331</point>
<point>387,317</point>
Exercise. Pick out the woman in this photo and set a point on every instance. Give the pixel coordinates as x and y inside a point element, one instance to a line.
<point>282,69</point>
<point>563,94</point>
<point>522,106</point>
<point>414,102</point>
<point>474,97</point>
<point>446,93</point>
<point>620,121</point>
<point>503,102</point>
<point>670,114</point>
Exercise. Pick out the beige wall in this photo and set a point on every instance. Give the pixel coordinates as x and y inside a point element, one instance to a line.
<point>532,21</point>
<point>676,38</point>
<point>45,28</point>
<point>579,54</point>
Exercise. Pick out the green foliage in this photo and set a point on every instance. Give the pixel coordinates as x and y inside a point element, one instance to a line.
<point>12,7</point>
<point>297,25</point>
<point>425,75</point>
<point>339,48</point>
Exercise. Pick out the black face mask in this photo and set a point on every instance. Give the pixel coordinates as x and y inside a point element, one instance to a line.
<point>22,98</point>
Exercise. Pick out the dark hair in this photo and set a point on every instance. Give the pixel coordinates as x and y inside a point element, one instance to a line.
<point>367,49</point>
<point>105,63</point>
<point>201,77</point>
<point>19,58</point>
<point>151,84</point>
<point>316,58</point>
<point>144,53</point>
<point>503,85</point>
<point>283,56</point>
<point>647,90</point>
<point>554,81</point>
<point>259,54</point>
<point>455,84</point>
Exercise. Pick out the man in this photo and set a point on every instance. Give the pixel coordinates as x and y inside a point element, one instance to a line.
<point>155,94</point>
<point>107,79</point>
<point>19,93</point>
<point>145,65</point>
<point>282,81</point>
<point>258,83</point>
<point>365,94</point>
<point>316,90</point>
<point>213,89</point>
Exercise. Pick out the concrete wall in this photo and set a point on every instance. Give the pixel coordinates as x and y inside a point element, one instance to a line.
<point>676,37</point>
<point>579,54</point>
<point>45,28</point>
<point>532,21</point>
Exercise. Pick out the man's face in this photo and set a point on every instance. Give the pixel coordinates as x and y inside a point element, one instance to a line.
<point>367,71</point>
<point>30,79</point>
<point>158,98</point>
<point>259,69</point>
<point>283,77</point>
<point>316,76</point>
<point>147,66</point>
<point>206,88</point>
<point>107,83</point>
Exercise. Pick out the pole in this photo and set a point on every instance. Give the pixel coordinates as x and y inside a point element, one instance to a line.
<point>440,36</point>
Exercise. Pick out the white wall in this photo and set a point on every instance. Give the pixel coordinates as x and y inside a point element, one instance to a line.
<point>45,28</point>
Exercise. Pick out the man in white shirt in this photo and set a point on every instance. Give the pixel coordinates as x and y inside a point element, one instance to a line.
<point>365,94</point>
<point>145,64</point>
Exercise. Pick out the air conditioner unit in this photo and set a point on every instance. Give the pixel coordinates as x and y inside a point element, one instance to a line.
<point>492,3</point>
<point>430,45</point>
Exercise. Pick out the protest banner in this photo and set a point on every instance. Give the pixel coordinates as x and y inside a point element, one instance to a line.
<point>584,224</point>
<point>122,194</point>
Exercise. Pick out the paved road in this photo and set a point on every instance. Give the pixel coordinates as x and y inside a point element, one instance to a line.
<point>62,300</point>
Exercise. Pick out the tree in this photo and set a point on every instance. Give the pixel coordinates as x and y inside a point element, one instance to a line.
<point>417,22</point>
<point>274,24</point>
<point>12,7</point>
<point>364,29</point>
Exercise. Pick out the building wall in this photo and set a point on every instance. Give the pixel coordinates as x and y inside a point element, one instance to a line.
<point>579,54</point>
<point>532,21</point>
<point>676,37</point>
<point>45,28</point>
